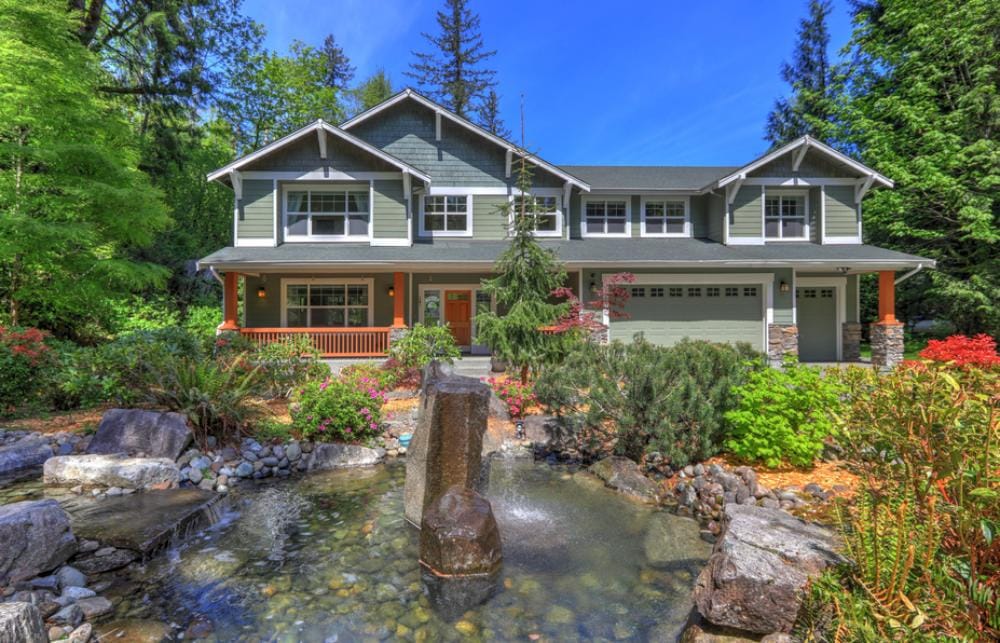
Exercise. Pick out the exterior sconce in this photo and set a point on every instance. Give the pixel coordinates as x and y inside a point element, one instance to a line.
<point>261,292</point>
<point>784,287</point>
<point>392,291</point>
<point>593,286</point>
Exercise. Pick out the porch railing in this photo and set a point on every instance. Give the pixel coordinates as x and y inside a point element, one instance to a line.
<point>330,342</point>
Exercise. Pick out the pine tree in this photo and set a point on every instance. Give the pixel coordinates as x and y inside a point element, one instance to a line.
<point>452,72</point>
<point>374,90</point>
<point>489,115</point>
<point>339,71</point>
<point>809,110</point>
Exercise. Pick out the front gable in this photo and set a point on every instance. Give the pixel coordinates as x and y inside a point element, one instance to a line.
<point>303,155</point>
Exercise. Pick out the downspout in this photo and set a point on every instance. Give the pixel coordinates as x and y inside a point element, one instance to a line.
<point>900,280</point>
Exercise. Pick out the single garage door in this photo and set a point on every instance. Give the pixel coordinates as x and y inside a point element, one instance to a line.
<point>817,322</point>
<point>718,313</point>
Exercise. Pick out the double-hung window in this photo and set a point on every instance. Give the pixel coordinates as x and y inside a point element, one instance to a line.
<point>785,216</point>
<point>546,211</point>
<point>665,218</point>
<point>607,218</point>
<point>326,304</point>
<point>446,216</point>
<point>327,214</point>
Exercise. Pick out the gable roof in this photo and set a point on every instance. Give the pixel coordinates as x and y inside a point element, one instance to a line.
<point>320,124</point>
<point>810,144</point>
<point>437,108</point>
<point>649,178</point>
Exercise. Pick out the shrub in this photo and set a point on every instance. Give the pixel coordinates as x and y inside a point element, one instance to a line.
<point>286,364</point>
<point>648,398</point>
<point>979,351</point>
<point>517,396</point>
<point>423,344</point>
<point>202,321</point>
<point>338,410</point>
<point>25,364</point>
<point>364,373</point>
<point>783,415</point>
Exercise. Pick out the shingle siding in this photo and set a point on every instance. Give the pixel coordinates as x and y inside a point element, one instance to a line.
<point>813,165</point>
<point>841,213</point>
<point>256,220</point>
<point>303,156</point>
<point>746,210</point>
<point>389,209</point>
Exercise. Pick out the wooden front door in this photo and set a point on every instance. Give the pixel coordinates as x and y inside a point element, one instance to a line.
<point>458,314</point>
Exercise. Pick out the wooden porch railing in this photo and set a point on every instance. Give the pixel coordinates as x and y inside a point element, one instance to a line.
<point>330,342</point>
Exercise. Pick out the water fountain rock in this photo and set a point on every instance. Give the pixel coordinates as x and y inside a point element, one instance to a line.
<point>459,535</point>
<point>35,537</point>
<point>135,431</point>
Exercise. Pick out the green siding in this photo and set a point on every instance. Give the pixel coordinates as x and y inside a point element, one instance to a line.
<point>266,312</point>
<point>303,156</point>
<point>815,202</point>
<point>389,210</point>
<point>487,221</point>
<point>699,216</point>
<point>575,208</point>
<point>716,217</point>
<point>782,301</point>
<point>635,207</point>
<point>841,214</point>
<point>852,298</point>
<point>746,212</point>
<point>256,220</point>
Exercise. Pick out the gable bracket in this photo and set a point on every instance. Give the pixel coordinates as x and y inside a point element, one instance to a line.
<point>733,188</point>
<point>321,135</point>
<point>437,126</point>
<point>567,191</point>
<point>861,187</point>
<point>799,155</point>
<point>237,180</point>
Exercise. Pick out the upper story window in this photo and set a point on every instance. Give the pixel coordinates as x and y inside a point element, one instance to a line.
<point>606,218</point>
<point>325,214</point>
<point>446,216</point>
<point>547,210</point>
<point>785,216</point>
<point>665,218</point>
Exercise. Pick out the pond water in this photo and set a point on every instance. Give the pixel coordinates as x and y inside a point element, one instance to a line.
<point>328,557</point>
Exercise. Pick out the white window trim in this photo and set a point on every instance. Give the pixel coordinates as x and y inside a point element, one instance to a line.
<point>446,233</point>
<point>839,284</point>
<point>322,281</point>
<point>590,198</point>
<point>422,288</point>
<point>686,200</point>
<point>805,215</point>
<point>547,192</point>
<point>345,238</point>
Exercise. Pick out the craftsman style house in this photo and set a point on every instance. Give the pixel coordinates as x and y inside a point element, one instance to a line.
<point>348,232</point>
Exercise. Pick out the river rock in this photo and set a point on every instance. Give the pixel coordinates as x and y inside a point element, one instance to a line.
<point>134,631</point>
<point>105,560</point>
<point>94,606</point>
<point>673,541</point>
<point>26,453</point>
<point>35,537</point>
<point>137,432</point>
<point>625,476</point>
<point>758,571</point>
<point>459,535</point>
<point>111,471</point>
<point>446,449</point>
<point>22,622</point>
<point>337,456</point>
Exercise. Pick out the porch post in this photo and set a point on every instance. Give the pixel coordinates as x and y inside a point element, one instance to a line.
<point>399,301</point>
<point>887,333</point>
<point>887,297</point>
<point>230,302</point>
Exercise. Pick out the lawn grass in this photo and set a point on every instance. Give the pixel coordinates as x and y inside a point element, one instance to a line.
<point>911,349</point>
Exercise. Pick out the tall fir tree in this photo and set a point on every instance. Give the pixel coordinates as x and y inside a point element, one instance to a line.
<point>810,108</point>
<point>452,73</point>
<point>923,107</point>
<point>339,71</point>
<point>489,115</point>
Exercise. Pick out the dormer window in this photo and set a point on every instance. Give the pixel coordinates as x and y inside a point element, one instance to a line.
<point>665,217</point>
<point>606,217</point>
<point>446,216</point>
<point>325,214</point>
<point>785,217</point>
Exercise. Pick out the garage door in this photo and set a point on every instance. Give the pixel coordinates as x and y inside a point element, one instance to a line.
<point>717,313</point>
<point>817,322</point>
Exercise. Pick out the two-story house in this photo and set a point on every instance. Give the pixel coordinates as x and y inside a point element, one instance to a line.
<point>349,232</point>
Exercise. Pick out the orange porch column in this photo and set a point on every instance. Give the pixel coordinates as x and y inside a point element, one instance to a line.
<point>399,292</point>
<point>230,302</point>
<point>887,297</point>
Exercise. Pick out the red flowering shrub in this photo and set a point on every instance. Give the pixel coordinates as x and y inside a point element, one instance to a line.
<point>25,362</point>
<point>517,396</point>
<point>979,351</point>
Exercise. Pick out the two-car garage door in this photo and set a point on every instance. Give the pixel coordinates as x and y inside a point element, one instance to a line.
<point>667,313</point>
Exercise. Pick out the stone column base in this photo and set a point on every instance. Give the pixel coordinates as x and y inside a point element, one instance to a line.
<point>397,333</point>
<point>782,342</point>
<point>850,334</point>
<point>887,344</point>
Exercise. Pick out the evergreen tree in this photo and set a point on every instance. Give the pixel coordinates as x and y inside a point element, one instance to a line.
<point>489,115</point>
<point>339,71</point>
<point>527,275</point>
<point>452,72</point>
<point>809,110</point>
<point>72,200</point>
<point>377,88</point>
<point>923,108</point>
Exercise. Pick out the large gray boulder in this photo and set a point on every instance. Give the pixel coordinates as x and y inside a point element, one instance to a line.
<point>625,476</point>
<point>21,622</point>
<point>151,434</point>
<point>35,537</point>
<point>26,453</point>
<point>673,541</point>
<point>759,569</point>
<point>338,456</point>
<point>112,471</point>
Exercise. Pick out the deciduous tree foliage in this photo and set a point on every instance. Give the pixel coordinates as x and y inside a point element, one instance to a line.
<point>375,89</point>
<point>72,199</point>
<point>923,108</point>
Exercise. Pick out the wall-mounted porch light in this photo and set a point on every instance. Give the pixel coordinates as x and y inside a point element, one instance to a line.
<point>392,291</point>
<point>261,292</point>
<point>784,287</point>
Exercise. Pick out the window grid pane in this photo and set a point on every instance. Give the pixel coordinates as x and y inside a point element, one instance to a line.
<point>326,305</point>
<point>445,214</point>
<point>784,217</point>
<point>325,213</point>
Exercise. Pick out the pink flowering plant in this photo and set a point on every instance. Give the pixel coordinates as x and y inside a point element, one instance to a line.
<point>339,410</point>
<point>517,396</point>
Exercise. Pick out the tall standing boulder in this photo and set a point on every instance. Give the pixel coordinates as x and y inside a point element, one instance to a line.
<point>21,622</point>
<point>35,537</point>
<point>447,445</point>
<point>137,432</point>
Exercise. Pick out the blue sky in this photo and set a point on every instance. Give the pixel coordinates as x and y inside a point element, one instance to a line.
<point>620,83</point>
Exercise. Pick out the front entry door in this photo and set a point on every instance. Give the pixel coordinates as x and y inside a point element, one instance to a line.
<point>458,314</point>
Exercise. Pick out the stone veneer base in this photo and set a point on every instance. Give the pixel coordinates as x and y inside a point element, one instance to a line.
<point>850,334</point>
<point>887,344</point>
<point>782,342</point>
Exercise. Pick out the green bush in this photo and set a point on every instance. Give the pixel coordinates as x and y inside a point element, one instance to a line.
<point>368,373</point>
<point>337,410</point>
<point>783,415</point>
<point>286,364</point>
<point>423,344</point>
<point>202,321</point>
<point>26,364</point>
<point>648,398</point>
<point>140,313</point>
